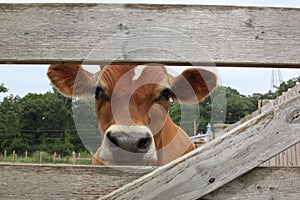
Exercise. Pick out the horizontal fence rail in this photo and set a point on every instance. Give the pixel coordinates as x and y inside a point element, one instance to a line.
<point>260,184</point>
<point>61,181</point>
<point>137,33</point>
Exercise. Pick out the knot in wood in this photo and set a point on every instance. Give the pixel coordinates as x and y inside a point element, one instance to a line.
<point>293,115</point>
<point>211,180</point>
<point>249,23</point>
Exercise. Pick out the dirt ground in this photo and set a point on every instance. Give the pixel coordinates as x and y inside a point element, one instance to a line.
<point>26,181</point>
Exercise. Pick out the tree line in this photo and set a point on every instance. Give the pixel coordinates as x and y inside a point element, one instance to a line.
<point>38,122</point>
<point>45,122</point>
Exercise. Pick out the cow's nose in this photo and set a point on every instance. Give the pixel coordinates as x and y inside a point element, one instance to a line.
<point>128,145</point>
<point>132,142</point>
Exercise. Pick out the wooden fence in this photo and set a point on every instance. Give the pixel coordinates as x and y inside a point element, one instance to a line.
<point>60,181</point>
<point>177,35</point>
<point>43,157</point>
<point>222,160</point>
<point>139,33</point>
<point>288,157</point>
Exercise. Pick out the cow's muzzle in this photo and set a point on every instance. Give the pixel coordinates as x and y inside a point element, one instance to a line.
<point>128,145</point>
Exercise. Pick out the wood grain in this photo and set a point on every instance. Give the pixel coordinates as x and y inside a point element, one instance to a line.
<point>137,33</point>
<point>42,181</point>
<point>288,158</point>
<point>221,160</point>
<point>260,184</point>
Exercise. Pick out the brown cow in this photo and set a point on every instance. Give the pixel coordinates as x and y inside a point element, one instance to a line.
<point>131,104</point>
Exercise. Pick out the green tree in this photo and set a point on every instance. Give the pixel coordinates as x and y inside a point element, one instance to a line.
<point>228,104</point>
<point>284,86</point>
<point>184,116</point>
<point>2,88</point>
<point>174,112</point>
<point>10,127</point>
<point>47,123</point>
<point>38,122</point>
<point>87,124</point>
<point>238,106</point>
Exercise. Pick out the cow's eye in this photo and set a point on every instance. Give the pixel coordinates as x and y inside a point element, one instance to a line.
<point>99,93</point>
<point>164,95</point>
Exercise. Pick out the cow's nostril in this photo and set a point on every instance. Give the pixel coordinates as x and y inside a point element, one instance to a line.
<point>112,139</point>
<point>144,143</point>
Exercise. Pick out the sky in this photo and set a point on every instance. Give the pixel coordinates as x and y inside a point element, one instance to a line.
<point>23,79</point>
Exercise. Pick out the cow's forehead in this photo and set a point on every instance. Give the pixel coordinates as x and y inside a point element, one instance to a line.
<point>133,77</point>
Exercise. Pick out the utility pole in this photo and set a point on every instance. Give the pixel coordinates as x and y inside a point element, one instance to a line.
<point>276,79</point>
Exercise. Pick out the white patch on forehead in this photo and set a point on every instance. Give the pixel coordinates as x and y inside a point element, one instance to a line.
<point>138,71</point>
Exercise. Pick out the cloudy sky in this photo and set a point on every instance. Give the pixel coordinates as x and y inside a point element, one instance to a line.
<point>22,79</point>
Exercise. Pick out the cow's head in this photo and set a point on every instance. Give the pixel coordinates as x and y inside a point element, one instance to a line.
<point>131,104</point>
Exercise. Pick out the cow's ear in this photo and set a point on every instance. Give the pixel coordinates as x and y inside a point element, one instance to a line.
<point>72,80</point>
<point>193,85</point>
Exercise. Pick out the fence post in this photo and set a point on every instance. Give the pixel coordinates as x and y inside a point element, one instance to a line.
<point>209,133</point>
<point>4,154</point>
<point>54,157</point>
<point>26,156</point>
<point>41,156</point>
<point>13,156</point>
<point>78,160</point>
<point>195,127</point>
<point>73,157</point>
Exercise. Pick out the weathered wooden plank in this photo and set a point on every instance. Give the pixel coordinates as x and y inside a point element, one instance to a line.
<point>131,33</point>
<point>291,93</point>
<point>288,158</point>
<point>221,160</point>
<point>260,184</point>
<point>36,181</point>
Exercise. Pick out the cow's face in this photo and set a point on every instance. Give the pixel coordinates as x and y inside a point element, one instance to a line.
<point>131,103</point>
